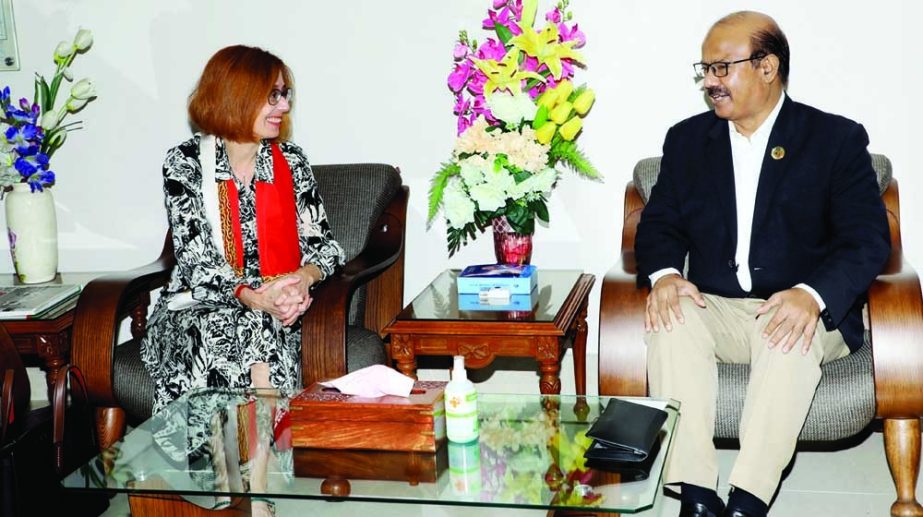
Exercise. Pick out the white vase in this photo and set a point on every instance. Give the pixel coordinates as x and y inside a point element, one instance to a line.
<point>33,232</point>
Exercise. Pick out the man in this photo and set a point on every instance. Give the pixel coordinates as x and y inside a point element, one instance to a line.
<point>777,207</point>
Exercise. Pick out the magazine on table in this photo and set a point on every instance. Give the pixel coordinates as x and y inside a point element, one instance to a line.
<point>23,302</point>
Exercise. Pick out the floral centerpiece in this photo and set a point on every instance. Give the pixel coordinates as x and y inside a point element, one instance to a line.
<point>30,132</point>
<point>519,114</point>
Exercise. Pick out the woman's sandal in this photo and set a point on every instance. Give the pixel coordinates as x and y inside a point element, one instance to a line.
<point>221,504</point>
<point>270,505</point>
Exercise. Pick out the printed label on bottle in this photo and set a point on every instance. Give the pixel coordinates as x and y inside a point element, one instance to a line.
<point>461,414</point>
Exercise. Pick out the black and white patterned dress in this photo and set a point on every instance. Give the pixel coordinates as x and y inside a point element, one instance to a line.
<point>213,342</point>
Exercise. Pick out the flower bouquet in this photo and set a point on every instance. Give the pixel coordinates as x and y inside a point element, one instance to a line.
<point>30,132</point>
<point>518,116</point>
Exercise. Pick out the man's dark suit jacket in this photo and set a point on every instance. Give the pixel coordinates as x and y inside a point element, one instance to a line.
<point>818,218</point>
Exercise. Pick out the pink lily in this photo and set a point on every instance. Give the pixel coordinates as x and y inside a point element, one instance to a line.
<point>463,124</point>
<point>572,34</point>
<point>461,105</point>
<point>460,76</point>
<point>460,51</point>
<point>476,83</point>
<point>554,15</point>
<point>491,49</point>
<point>506,17</point>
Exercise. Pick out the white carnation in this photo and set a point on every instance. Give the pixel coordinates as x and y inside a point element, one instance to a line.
<point>459,210</point>
<point>473,169</point>
<point>512,108</point>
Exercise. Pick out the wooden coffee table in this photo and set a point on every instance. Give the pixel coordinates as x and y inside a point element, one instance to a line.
<point>432,324</point>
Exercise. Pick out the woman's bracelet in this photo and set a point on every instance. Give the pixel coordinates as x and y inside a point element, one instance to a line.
<point>239,289</point>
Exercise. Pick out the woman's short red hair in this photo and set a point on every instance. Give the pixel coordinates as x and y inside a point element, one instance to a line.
<point>233,88</point>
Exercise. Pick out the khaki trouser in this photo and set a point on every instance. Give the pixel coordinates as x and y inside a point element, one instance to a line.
<point>682,365</point>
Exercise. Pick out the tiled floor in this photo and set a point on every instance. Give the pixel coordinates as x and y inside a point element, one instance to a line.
<point>853,482</point>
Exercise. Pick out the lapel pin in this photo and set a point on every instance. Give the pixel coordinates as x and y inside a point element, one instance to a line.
<point>778,152</point>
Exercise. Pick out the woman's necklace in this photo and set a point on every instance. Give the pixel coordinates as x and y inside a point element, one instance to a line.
<point>244,171</point>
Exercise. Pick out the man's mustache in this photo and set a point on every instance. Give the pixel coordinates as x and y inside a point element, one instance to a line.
<point>712,91</point>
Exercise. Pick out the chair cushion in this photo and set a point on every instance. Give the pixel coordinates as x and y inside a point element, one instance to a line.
<point>363,348</point>
<point>645,174</point>
<point>132,385</point>
<point>843,404</point>
<point>355,195</point>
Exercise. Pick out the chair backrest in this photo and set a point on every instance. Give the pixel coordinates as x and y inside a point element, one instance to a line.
<point>645,177</point>
<point>355,196</point>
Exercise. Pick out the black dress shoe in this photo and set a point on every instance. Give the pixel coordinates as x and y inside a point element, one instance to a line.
<point>737,512</point>
<point>695,510</point>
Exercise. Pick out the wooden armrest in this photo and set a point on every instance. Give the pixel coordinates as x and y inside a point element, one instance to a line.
<point>102,306</point>
<point>622,353</point>
<point>323,328</point>
<point>896,320</point>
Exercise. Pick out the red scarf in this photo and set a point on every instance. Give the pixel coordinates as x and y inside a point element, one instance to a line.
<point>276,226</point>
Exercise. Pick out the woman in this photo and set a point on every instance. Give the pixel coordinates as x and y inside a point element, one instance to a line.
<point>251,238</point>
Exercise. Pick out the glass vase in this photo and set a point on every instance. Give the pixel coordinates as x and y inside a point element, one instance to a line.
<point>511,247</point>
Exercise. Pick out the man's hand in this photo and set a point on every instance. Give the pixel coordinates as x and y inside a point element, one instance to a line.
<point>796,318</point>
<point>664,299</point>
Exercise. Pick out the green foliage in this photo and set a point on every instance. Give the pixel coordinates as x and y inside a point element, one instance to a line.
<point>437,188</point>
<point>569,154</point>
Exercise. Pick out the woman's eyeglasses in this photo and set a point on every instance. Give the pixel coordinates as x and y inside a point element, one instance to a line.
<point>276,95</point>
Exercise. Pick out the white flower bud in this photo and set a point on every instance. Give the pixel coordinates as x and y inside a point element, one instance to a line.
<point>83,89</point>
<point>84,39</point>
<point>58,139</point>
<point>63,51</point>
<point>50,120</point>
<point>74,104</point>
<point>67,74</point>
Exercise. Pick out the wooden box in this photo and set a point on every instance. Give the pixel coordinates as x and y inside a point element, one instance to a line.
<point>323,418</point>
<point>413,467</point>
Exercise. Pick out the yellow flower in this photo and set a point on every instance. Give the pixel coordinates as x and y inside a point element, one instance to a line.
<point>544,46</point>
<point>564,88</point>
<point>570,129</point>
<point>546,132</point>
<point>505,74</point>
<point>584,101</point>
<point>561,112</point>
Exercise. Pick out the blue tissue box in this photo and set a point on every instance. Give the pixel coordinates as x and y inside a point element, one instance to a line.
<point>519,280</point>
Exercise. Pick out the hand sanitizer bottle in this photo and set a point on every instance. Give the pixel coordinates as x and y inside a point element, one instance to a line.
<point>461,405</point>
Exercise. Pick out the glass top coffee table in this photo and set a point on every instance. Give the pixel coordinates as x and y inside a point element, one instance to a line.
<point>205,448</point>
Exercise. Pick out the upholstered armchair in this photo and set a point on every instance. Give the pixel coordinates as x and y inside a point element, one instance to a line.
<point>884,379</point>
<point>366,206</point>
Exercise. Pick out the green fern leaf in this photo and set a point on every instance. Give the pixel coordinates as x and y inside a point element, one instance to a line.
<point>574,159</point>
<point>437,188</point>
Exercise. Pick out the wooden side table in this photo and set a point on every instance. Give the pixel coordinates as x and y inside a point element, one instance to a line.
<point>46,341</point>
<point>433,325</point>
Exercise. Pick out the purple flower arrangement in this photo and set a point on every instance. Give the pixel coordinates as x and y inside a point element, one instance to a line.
<point>31,131</point>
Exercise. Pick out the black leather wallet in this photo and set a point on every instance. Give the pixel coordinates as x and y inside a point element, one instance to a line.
<point>625,432</point>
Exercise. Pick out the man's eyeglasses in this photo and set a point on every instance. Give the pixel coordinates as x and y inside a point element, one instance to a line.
<point>276,95</point>
<point>720,68</point>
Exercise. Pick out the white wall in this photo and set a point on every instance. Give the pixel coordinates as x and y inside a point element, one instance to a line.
<point>370,79</point>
